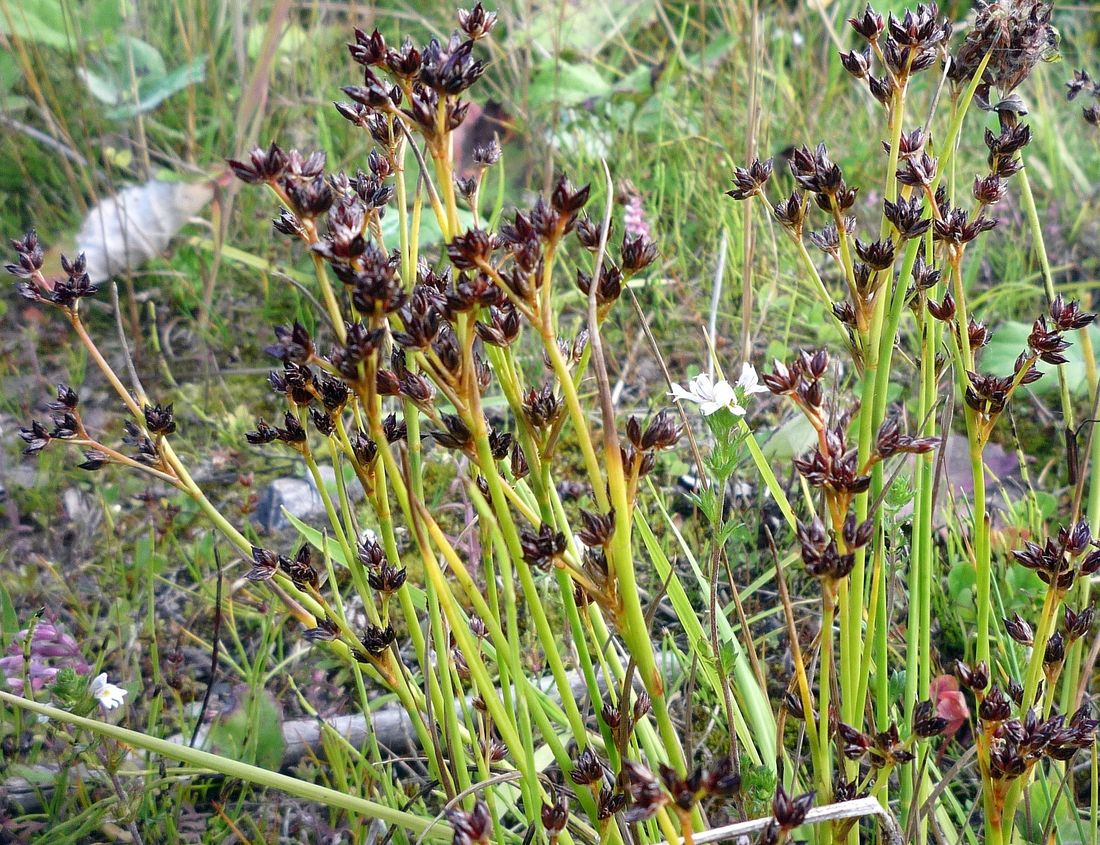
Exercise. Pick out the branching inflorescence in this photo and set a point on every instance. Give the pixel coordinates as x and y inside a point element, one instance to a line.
<point>412,343</point>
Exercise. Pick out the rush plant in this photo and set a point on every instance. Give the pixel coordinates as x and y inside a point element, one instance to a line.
<point>411,342</point>
<point>452,357</point>
<point>909,269</point>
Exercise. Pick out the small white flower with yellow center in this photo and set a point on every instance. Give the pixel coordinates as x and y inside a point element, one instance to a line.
<point>107,694</point>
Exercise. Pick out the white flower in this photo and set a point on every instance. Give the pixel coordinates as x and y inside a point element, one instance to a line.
<point>749,382</point>
<point>711,396</point>
<point>108,695</point>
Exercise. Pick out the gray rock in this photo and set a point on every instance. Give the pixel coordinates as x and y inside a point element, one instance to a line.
<point>300,497</point>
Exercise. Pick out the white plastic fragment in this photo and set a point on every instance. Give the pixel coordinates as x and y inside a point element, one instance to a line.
<point>124,231</point>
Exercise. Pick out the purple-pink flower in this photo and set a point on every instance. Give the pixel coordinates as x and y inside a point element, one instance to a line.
<point>634,218</point>
<point>50,651</point>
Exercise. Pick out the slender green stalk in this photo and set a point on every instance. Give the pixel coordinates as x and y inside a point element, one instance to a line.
<point>1039,243</point>
<point>242,771</point>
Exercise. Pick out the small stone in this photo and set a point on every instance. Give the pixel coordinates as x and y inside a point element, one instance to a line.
<point>300,498</point>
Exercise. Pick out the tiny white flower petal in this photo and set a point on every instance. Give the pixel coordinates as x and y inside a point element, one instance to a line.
<point>700,385</point>
<point>723,392</point>
<point>720,397</point>
<point>737,410</point>
<point>749,381</point>
<point>679,393</point>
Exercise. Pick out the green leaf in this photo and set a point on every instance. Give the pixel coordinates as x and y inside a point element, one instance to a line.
<point>586,28</point>
<point>152,91</point>
<point>960,579</point>
<point>793,438</point>
<point>567,85</point>
<point>9,619</point>
<point>251,733</point>
<point>130,63</point>
<point>37,21</point>
<point>102,86</point>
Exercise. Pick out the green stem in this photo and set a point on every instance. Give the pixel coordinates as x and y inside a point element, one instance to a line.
<point>416,824</point>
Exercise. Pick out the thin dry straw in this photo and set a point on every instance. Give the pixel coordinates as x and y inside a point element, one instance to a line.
<point>716,296</point>
<point>858,808</point>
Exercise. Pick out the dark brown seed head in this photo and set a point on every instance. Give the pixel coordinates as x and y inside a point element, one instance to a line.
<point>790,812</point>
<point>1081,81</point>
<point>918,170</point>
<point>326,631</point>
<point>790,213</point>
<point>300,570</point>
<point>368,49</point>
<point>473,827</point>
<point>857,62</point>
<point>1056,650</point>
<point>869,23</point>
<point>815,172</point>
<point>469,249</point>
<point>611,803</point>
<point>974,678</point>
<point>263,165</point>
<point>587,768</point>
<point>989,190</point>
<point>1068,316</point>
<point>636,253</point>
<point>597,528</point>
<point>377,640</point>
<point>264,565</point>
<point>1018,628</point>
<point>1077,624</point>
<point>907,217</point>
<point>878,255</point>
<point>554,816</point>
<point>476,22</point>
<point>159,420</point>
<point>93,460</point>
<point>541,547</point>
<point>925,721</point>
<point>995,707</point>
<point>455,434</point>
<point>792,703</point>
<point>749,181</point>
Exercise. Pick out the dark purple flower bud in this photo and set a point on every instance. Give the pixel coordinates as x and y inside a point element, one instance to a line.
<point>995,707</point>
<point>869,24</point>
<point>975,678</point>
<point>587,768</point>
<point>857,62</point>
<point>749,181</point>
<point>790,812</point>
<point>1056,650</point>
<point>476,22</point>
<point>1077,624</point>
<point>554,816</point>
<point>1018,628</point>
<point>1068,316</point>
<point>368,49</point>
